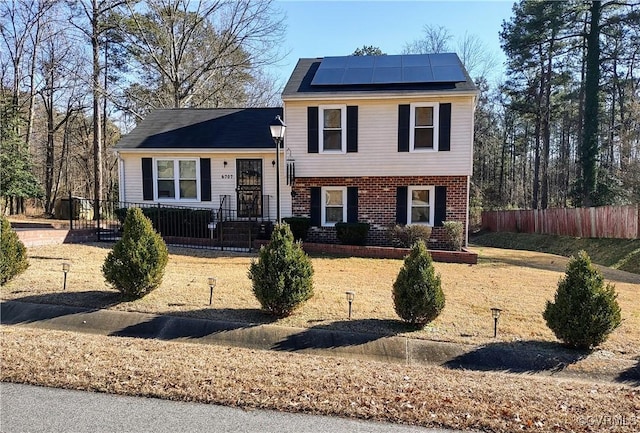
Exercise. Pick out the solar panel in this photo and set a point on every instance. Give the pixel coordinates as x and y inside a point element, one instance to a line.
<point>387,75</point>
<point>397,69</point>
<point>417,74</point>
<point>444,59</point>
<point>328,76</point>
<point>447,73</point>
<point>357,75</point>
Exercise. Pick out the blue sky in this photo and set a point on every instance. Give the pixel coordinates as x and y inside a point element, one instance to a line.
<point>334,28</point>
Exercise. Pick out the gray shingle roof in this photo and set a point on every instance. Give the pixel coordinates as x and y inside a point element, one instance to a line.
<point>188,128</point>
<point>299,84</point>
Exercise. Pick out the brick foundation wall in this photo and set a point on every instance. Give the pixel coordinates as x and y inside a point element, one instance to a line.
<point>377,203</point>
<point>36,237</point>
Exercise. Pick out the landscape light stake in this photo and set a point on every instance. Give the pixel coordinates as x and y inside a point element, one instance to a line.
<point>495,312</point>
<point>65,269</point>
<point>350,295</point>
<point>212,284</point>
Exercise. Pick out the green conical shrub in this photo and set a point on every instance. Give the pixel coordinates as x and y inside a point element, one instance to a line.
<point>282,275</point>
<point>136,264</point>
<point>13,254</point>
<point>584,311</point>
<point>417,291</point>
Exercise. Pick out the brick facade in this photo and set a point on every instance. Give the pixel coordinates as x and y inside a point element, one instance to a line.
<point>377,203</point>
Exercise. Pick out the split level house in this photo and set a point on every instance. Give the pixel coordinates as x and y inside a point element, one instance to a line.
<point>379,139</point>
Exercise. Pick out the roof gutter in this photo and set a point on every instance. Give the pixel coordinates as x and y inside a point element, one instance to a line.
<point>123,150</point>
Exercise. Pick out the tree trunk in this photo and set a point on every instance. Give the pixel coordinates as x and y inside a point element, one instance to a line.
<point>589,150</point>
<point>97,134</point>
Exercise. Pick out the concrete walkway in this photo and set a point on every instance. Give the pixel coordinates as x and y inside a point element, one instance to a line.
<point>256,336</point>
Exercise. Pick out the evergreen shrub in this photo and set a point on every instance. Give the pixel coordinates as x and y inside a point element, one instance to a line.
<point>13,254</point>
<point>136,264</point>
<point>299,227</point>
<point>584,311</point>
<point>352,233</point>
<point>282,274</point>
<point>417,292</point>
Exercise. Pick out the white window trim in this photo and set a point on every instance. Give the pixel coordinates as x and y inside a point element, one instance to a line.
<point>412,125</point>
<point>343,124</point>
<point>324,203</point>
<point>432,204</point>
<point>176,171</point>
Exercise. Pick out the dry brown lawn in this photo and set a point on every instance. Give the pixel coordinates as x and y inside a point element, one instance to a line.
<point>519,282</point>
<point>421,395</point>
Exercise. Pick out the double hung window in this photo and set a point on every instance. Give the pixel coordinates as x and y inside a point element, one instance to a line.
<point>421,205</point>
<point>333,121</point>
<point>177,179</point>
<point>334,205</point>
<point>424,127</point>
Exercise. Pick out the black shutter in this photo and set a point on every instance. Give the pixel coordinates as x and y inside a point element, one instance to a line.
<point>352,129</point>
<point>352,204</point>
<point>441,206</point>
<point>205,179</point>
<point>147,179</point>
<point>404,112</point>
<point>444,133</point>
<point>312,129</point>
<point>401,204</point>
<point>316,203</point>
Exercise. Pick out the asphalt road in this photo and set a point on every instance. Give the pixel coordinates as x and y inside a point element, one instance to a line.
<point>33,409</point>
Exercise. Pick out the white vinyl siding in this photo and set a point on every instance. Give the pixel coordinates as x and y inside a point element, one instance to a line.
<point>223,177</point>
<point>378,142</point>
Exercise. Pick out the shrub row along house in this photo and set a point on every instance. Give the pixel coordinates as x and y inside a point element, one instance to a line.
<point>378,139</point>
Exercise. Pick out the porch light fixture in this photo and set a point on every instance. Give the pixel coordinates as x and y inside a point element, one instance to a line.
<point>277,128</point>
<point>212,284</point>
<point>224,163</point>
<point>350,296</point>
<point>495,313</point>
<point>65,269</point>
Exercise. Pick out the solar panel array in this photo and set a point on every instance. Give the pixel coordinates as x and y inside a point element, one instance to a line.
<point>396,69</point>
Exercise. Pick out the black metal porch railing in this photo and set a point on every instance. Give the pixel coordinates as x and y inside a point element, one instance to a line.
<point>195,227</point>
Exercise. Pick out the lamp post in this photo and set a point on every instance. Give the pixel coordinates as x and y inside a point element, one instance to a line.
<point>65,270</point>
<point>212,284</point>
<point>277,128</point>
<point>495,313</point>
<point>350,296</point>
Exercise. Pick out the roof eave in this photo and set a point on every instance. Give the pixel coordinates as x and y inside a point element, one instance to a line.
<point>379,95</point>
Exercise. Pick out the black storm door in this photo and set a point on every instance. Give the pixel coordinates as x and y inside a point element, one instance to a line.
<point>249,187</point>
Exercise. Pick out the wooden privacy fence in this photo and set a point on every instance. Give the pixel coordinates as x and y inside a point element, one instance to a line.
<point>620,222</point>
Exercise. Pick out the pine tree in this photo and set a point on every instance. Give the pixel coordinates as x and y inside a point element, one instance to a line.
<point>417,291</point>
<point>282,275</point>
<point>13,254</point>
<point>584,311</point>
<point>136,264</point>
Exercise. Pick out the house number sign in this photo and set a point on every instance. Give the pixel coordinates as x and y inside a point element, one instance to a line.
<point>227,176</point>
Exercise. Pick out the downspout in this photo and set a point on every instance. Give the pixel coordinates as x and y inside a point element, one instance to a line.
<point>473,122</point>
<point>121,188</point>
